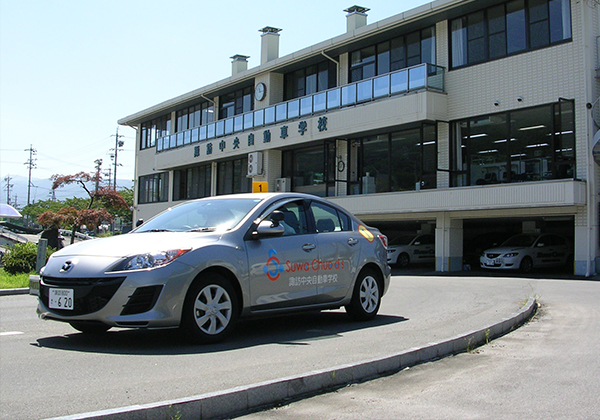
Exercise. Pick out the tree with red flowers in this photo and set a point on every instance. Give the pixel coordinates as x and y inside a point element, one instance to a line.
<point>103,203</point>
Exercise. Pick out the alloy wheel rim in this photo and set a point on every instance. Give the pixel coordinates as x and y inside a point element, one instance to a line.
<point>213,309</point>
<point>369,294</point>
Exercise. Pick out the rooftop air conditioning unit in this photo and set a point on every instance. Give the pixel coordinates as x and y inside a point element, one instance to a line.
<point>283,185</point>
<point>254,164</point>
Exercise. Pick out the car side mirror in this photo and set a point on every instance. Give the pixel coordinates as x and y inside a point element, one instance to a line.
<point>276,217</point>
<point>270,227</point>
<point>139,222</point>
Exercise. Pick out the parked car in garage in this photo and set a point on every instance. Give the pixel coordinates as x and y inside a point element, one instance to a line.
<point>474,246</point>
<point>528,251</point>
<point>409,249</point>
<point>205,263</point>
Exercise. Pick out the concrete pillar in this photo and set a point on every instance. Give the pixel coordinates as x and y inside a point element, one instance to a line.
<point>448,243</point>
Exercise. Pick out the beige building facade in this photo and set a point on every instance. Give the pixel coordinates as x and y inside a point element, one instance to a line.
<point>459,118</point>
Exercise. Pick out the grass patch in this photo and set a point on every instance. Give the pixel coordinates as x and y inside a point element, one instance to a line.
<point>16,281</point>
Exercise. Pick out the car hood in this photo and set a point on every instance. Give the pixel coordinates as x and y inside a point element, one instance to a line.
<point>138,243</point>
<point>504,249</point>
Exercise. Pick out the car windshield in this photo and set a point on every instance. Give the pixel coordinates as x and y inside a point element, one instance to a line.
<point>520,240</point>
<point>201,216</point>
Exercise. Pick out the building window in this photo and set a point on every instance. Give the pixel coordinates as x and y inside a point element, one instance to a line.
<point>231,177</point>
<point>405,51</point>
<point>399,161</point>
<point>532,144</point>
<point>153,188</point>
<point>153,130</point>
<point>194,116</point>
<point>191,183</point>
<point>235,103</point>
<point>509,28</point>
<point>306,168</point>
<point>309,80</point>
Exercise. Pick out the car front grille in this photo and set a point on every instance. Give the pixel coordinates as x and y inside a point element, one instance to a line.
<point>492,255</point>
<point>90,294</point>
<point>142,300</point>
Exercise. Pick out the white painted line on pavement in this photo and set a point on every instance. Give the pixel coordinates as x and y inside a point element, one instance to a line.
<point>2,334</point>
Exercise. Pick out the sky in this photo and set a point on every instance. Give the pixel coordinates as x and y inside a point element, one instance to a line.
<point>70,69</point>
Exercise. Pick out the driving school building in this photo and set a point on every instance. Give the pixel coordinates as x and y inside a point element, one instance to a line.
<point>456,118</point>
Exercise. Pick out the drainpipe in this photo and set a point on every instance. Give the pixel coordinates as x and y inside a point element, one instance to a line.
<point>337,68</point>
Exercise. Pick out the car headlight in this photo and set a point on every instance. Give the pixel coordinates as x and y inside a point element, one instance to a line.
<point>511,255</point>
<point>150,260</point>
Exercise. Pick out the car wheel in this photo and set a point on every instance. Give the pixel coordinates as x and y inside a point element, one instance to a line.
<point>210,310</point>
<point>366,297</point>
<point>90,327</point>
<point>526,265</point>
<point>403,260</point>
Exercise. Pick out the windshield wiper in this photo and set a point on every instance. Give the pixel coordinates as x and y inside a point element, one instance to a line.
<point>156,230</point>
<point>202,229</point>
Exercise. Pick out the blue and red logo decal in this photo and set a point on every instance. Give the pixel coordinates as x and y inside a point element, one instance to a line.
<point>275,264</point>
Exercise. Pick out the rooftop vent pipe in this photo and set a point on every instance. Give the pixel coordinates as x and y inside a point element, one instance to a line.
<point>356,17</point>
<point>239,64</point>
<point>269,44</point>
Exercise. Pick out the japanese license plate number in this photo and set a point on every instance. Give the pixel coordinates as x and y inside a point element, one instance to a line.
<point>61,299</point>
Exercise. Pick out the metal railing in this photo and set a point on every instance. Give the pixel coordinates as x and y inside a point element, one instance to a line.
<point>417,78</point>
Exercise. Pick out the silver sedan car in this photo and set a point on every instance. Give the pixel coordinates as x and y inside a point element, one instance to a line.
<point>203,264</point>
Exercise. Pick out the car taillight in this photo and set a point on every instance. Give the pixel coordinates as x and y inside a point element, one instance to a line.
<point>383,240</point>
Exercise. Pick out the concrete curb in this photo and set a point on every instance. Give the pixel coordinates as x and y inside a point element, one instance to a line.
<point>11,292</point>
<point>243,399</point>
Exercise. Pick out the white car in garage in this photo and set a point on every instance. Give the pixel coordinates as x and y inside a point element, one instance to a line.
<point>405,250</point>
<point>527,251</point>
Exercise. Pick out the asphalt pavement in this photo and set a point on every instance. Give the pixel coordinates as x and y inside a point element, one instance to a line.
<point>547,369</point>
<point>55,371</point>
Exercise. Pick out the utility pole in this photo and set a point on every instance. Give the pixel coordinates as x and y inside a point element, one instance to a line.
<point>108,174</point>
<point>30,165</point>
<point>118,143</point>
<point>98,163</point>
<point>7,178</point>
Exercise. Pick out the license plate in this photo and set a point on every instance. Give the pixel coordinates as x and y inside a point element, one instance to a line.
<point>61,299</point>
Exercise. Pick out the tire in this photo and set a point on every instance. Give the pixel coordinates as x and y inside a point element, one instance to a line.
<point>90,327</point>
<point>210,310</point>
<point>526,265</point>
<point>403,260</point>
<point>366,297</point>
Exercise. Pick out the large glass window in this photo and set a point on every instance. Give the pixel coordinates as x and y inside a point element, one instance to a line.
<point>191,183</point>
<point>306,168</point>
<point>194,116</point>
<point>527,145</point>
<point>235,103</point>
<point>400,161</point>
<point>231,177</point>
<point>153,188</point>
<point>309,80</point>
<point>401,52</point>
<point>153,130</point>
<point>509,28</point>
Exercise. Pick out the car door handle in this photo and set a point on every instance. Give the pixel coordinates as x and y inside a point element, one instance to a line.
<point>308,247</point>
<point>352,241</point>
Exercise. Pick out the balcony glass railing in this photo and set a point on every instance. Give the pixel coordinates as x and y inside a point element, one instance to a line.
<point>417,78</point>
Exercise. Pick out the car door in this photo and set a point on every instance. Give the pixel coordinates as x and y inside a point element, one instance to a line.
<point>551,250</point>
<point>280,268</point>
<point>424,248</point>
<point>339,252</point>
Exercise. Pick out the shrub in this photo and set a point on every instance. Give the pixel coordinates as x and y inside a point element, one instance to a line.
<point>21,258</point>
